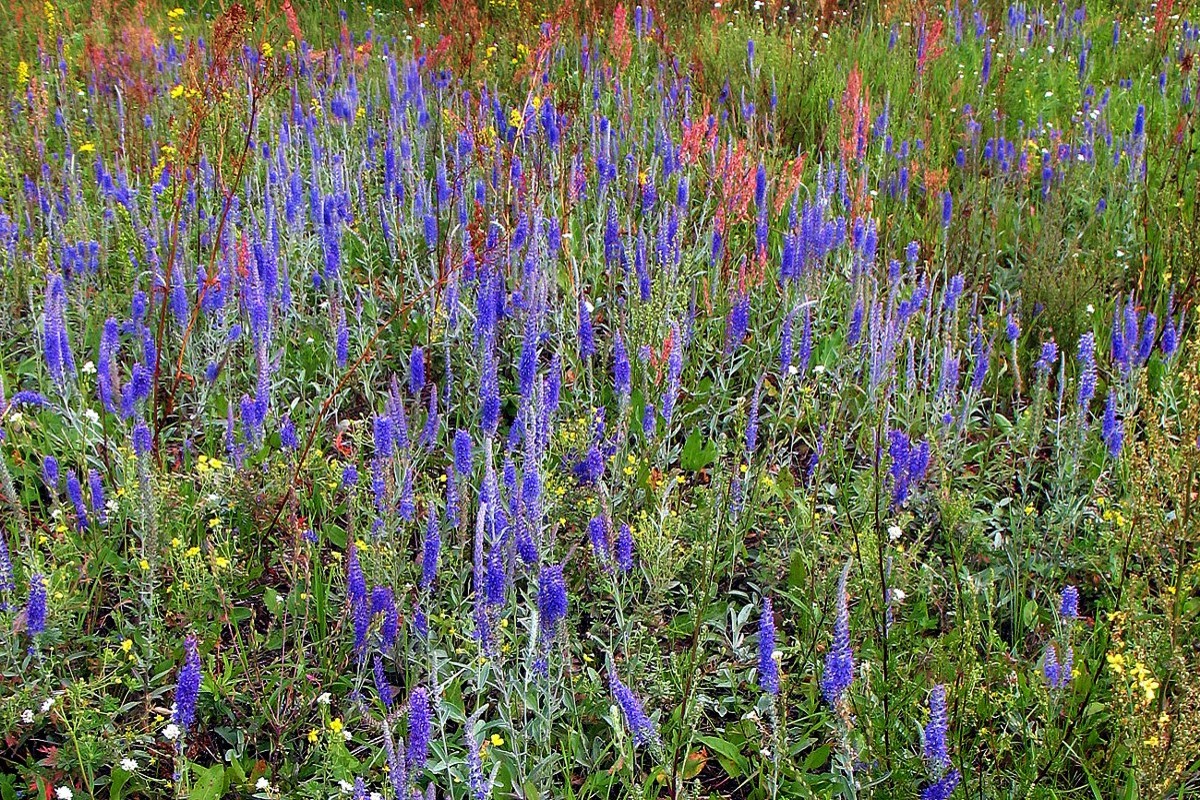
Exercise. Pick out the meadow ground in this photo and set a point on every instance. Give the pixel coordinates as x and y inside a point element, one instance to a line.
<point>511,400</point>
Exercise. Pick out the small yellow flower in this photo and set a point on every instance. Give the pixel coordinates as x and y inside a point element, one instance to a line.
<point>193,551</point>
<point>312,736</point>
<point>177,91</point>
<point>336,725</point>
<point>144,564</point>
<point>127,645</point>
<point>222,562</point>
<point>497,740</point>
<point>87,147</point>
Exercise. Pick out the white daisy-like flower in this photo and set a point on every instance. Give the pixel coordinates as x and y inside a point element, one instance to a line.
<point>27,716</point>
<point>171,732</point>
<point>323,699</point>
<point>129,765</point>
<point>88,368</point>
<point>895,532</point>
<point>346,786</point>
<point>48,704</point>
<point>92,416</point>
<point>64,793</point>
<point>263,785</point>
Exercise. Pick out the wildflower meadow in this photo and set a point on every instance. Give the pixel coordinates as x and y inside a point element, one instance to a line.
<point>514,399</point>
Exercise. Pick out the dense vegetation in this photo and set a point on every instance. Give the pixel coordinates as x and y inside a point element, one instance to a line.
<point>501,401</point>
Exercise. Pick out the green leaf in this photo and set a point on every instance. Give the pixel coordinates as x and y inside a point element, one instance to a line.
<point>697,454</point>
<point>817,758</point>
<point>797,570</point>
<point>237,774</point>
<point>7,787</point>
<point>1029,613</point>
<point>272,601</point>
<point>336,535</point>
<point>116,786</point>
<point>728,755</point>
<point>721,746</point>
<point>210,783</point>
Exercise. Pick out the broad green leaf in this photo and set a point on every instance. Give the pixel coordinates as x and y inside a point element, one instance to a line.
<point>210,783</point>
